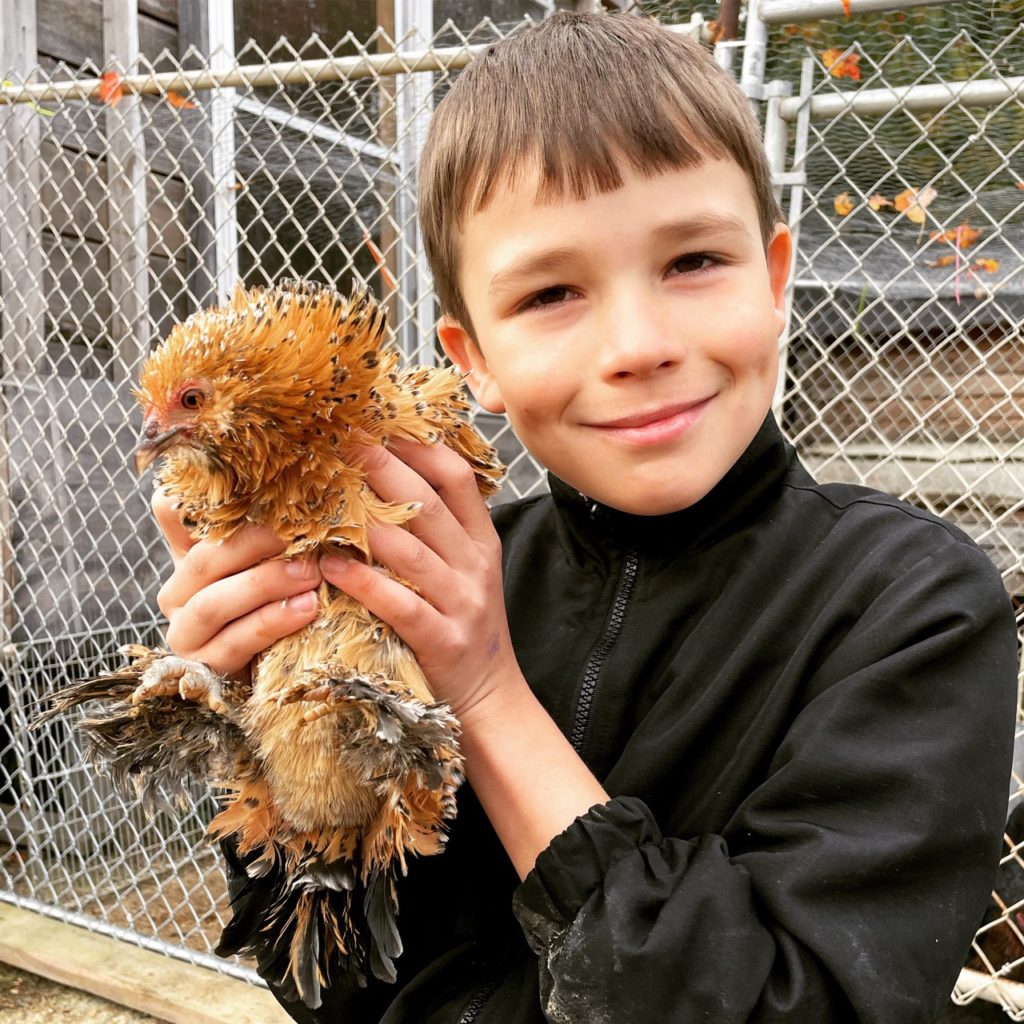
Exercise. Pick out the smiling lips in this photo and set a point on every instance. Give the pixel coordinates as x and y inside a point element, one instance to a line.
<point>655,426</point>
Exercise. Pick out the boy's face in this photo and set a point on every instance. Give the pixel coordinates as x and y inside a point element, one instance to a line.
<point>631,337</point>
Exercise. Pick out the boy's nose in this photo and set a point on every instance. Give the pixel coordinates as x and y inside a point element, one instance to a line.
<point>638,344</point>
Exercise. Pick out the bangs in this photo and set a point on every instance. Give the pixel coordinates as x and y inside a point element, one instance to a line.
<point>577,137</point>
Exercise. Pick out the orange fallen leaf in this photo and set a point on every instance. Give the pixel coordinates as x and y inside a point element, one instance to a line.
<point>943,261</point>
<point>990,266</point>
<point>378,258</point>
<point>843,204</point>
<point>877,201</point>
<point>1020,185</point>
<point>846,7</point>
<point>963,235</point>
<point>178,101</point>
<point>840,66</point>
<point>111,90</point>
<point>914,202</point>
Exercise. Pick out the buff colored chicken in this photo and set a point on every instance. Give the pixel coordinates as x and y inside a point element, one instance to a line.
<point>338,762</point>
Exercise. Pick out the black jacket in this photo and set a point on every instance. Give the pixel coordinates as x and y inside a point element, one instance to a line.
<point>800,698</point>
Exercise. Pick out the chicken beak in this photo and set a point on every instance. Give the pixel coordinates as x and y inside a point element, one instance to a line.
<point>152,445</point>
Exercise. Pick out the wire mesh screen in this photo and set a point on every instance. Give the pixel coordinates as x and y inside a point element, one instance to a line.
<point>119,216</point>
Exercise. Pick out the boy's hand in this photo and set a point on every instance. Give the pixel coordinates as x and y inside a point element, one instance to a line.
<point>456,625</point>
<point>225,602</point>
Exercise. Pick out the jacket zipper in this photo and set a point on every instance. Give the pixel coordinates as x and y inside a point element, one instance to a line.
<point>588,687</point>
<point>479,1000</point>
<point>581,719</point>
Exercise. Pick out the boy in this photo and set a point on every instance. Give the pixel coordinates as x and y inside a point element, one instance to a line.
<point>737,744</point>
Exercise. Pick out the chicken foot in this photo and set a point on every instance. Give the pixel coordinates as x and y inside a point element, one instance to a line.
<point>171,676</point>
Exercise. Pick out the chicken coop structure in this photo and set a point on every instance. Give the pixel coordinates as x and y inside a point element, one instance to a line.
<point>157,152</point>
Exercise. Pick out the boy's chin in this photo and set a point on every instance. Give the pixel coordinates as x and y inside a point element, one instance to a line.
<point>638,503</point>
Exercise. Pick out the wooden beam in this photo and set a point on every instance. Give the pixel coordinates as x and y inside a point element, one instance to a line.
<point>22,284</point>
<point>21,263</point>
<point>126,212</point>
<point>167,989</point>
<point>208,25</point>
<point>414,92</point>
<point>386,134</point>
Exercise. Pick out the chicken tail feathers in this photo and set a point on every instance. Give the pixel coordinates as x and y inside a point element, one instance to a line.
<point>302,925</point>
<point>157,748</point>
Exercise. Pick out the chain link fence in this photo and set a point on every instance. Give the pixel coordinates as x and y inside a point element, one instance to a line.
<point>903,357</point>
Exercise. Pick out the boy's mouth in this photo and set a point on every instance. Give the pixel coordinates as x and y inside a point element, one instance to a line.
<point>655,426</point>
<point>643,419</point>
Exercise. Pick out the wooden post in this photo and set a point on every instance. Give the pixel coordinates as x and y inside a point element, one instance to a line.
<point>22,271</point>
<point>387,137</point>
<point>414,22</point>
<point>126,210</point>
<point>209,25</point>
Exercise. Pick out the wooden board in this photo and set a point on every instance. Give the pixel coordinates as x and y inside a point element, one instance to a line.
<point>164,988</point>
<point>74,198</point>
<point>72,31</point>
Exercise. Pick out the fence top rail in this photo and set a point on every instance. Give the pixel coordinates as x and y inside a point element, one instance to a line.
<point>987,92</point>
<point>782,12</point>
<point>327,69</point>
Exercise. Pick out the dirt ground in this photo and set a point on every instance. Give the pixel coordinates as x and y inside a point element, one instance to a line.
<point>28,999</point>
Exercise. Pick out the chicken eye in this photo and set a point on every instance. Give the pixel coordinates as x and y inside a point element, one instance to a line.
<point>192,398</point>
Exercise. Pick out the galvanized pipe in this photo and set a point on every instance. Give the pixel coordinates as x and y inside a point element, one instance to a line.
<point>782,12</point>
<point>916,98</point>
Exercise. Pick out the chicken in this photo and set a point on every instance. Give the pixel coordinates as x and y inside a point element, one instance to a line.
<point>337,760</point>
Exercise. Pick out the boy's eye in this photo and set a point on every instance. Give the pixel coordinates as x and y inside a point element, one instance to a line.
<point>695,263</point>
<point>547,297</point>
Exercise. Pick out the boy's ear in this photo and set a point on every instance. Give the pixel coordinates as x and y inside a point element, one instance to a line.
<point>780,258</point>
<point>465,353</point>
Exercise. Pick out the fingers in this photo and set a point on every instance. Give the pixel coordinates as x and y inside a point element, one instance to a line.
<point>409,559</point>
<point>261,590</point>
<point>412,618</point>
<point>232,648</point>
<point>444,484</point>
<point>226,602</point>
<point>207,562</point>
<point>177,537</point>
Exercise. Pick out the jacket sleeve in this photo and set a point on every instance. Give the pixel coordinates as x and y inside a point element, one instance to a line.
<point>848,884</point>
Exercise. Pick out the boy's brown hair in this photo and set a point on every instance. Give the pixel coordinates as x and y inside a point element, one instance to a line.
<point>579,92</point>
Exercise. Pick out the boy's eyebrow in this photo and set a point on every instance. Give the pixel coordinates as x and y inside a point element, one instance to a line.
<point>701,224</point>
<point>675,231</point>
<point>535,263</point>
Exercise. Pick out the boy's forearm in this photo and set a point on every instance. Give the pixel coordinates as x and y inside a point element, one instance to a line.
<point>531,782</point>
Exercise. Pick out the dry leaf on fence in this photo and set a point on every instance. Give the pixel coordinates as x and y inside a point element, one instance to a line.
<point>990,266</point>
<point>877,201</point>
<point>841,64</point>
<point>962,235</point>
<point>178,101</point>
<point>111,90</point>
<point>943,261</point>
<point>378,258</point>
<point>843,204</point>
<point>914,202</point>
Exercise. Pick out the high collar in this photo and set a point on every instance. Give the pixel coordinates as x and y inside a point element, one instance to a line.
<point>592,531</point>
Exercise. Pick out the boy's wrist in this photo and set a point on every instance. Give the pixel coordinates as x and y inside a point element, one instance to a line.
<point>505,695</point>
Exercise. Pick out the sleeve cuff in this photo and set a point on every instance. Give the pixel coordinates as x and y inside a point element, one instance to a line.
<point>575,863</point>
